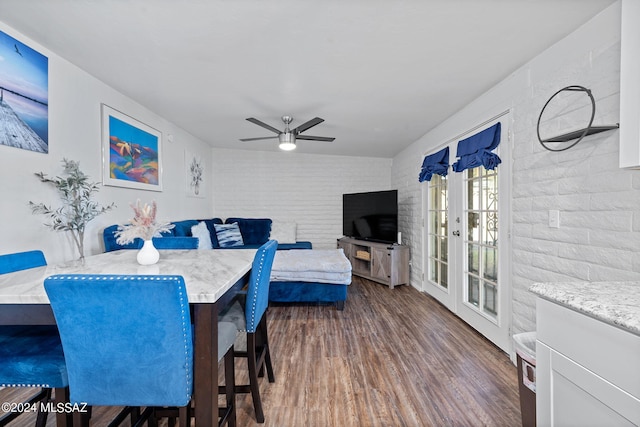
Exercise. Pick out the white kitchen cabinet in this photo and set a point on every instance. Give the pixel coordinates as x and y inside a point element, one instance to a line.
<point>630,85</point>
<point>588,371</point>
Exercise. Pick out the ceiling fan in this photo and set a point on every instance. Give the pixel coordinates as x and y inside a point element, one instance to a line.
<point>288,137</point>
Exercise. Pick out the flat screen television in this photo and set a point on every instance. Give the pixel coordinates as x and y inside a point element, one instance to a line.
<point>371,216</point>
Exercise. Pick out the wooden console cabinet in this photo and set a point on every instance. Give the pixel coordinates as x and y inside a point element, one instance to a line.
<point>381,262</point>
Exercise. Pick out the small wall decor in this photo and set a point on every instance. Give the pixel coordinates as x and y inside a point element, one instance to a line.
<point>131,151</point>
<point>194,167</point>
<point>24,96</point>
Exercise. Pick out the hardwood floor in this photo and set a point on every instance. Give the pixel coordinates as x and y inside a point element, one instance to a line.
<point>391,358</point>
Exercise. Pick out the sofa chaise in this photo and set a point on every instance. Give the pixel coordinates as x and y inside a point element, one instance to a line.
<point>310,276</point>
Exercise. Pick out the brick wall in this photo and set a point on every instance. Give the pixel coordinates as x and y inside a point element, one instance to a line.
<point>303,188</point>
<point>599,203</point>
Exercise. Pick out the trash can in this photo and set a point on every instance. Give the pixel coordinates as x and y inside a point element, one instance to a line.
<point>526,358</point>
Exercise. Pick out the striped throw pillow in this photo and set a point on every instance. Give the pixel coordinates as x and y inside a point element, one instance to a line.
<point>228,235</point>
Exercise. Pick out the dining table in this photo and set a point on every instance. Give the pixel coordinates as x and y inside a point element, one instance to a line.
<point>212,278</point>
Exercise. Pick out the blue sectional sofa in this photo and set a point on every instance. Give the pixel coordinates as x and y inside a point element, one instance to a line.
<point>255,232</point>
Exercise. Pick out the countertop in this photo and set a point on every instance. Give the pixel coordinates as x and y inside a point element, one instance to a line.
<point>617,303</point>
<point>208,273</point>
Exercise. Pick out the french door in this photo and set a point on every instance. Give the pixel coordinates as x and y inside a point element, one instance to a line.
<point>466,244</point>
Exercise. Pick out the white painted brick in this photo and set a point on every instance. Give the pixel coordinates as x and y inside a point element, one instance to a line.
<point>525,248</point>
<point>603,220</point>
<point>606,239</point>
<point>568,202</point>
<point>636,223</point>
<point>305,189</point>
<point>563,234</point>
<point>614,259</point>
<point>620,200</point>
<point>607,274</point>
<point>567,267</point>
<point>595,183</point>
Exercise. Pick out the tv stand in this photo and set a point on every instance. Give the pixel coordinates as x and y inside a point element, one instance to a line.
<point>385,263</point>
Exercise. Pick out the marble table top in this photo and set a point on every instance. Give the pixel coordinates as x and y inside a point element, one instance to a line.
<point>617,303</point>
<point>208,274</point>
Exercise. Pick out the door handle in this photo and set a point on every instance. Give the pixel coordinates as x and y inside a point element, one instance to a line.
<point>456,233</point>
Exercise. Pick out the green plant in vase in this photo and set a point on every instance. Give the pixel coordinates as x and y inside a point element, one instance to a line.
<point>78,206</point>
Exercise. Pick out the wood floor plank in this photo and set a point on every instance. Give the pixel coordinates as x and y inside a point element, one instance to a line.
<point>393,357</point>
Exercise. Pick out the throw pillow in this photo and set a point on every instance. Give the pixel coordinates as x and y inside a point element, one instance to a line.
<point>202,233</point>
<point>228,235</point>
<point>283,232</point>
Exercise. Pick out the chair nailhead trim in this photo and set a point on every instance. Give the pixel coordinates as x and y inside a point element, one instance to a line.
<point>26,385</point>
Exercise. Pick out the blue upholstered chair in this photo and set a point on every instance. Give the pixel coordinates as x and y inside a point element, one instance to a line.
<point>31,356</point>
<point>251,320</point>
<point>128,341</point>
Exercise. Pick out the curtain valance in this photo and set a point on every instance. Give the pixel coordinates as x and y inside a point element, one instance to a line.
<point>437,163</point>
<point>477,150</point>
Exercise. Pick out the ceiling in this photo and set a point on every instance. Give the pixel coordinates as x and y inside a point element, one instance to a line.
<point>382,73</point>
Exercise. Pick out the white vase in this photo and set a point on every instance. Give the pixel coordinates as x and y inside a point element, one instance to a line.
<point>148,254</point>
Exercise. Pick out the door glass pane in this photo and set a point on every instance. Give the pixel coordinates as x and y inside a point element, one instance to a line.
<point>433,246</point>
<point>438,226</point>
<point>474,258</point>
<point>433,220</point>
<point>482,239</point>
<point>490,267</point>
<point>433,271</point>
<point>473,226</point>
<point>473,294</point>
<point>444,249</point>
<point>444,223</point>
<point>490,298</point>
<point>444,275</point>
<point>473,195</point>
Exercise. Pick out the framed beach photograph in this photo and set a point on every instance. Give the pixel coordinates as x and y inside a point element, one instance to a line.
<point>24,96</point>
<point>131,152</point>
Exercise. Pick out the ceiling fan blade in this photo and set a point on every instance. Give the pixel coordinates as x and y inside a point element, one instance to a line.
<point>258,139</point>
<point>315,138</point>
<point>311,123</point>
<point>264,125</point>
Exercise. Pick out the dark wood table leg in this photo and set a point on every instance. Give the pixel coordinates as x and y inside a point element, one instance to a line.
<point>205,378</point>
<point>205,369</point>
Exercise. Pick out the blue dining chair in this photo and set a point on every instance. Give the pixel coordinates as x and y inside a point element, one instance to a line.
<point>165,242</point>
<point>31,355</point>
<point>250,317</point>
<point>128,342</point>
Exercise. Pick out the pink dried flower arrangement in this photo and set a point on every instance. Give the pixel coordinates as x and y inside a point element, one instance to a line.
<point>143,225</point>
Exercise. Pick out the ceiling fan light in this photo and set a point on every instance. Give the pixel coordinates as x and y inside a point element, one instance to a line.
<point>287,146</point>
<point>287,141</point>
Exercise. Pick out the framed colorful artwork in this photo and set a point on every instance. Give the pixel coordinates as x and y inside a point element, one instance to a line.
<point>194,167</point>
<point>24,96</point>
<point>131,152</point>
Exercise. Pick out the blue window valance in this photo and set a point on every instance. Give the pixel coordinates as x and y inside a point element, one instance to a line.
<point>437,163</point>
<point>477,150</point>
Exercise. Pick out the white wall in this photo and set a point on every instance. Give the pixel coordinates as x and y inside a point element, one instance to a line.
<point>289,186</point>
<point>599,203</point>
<point>74,132</point>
